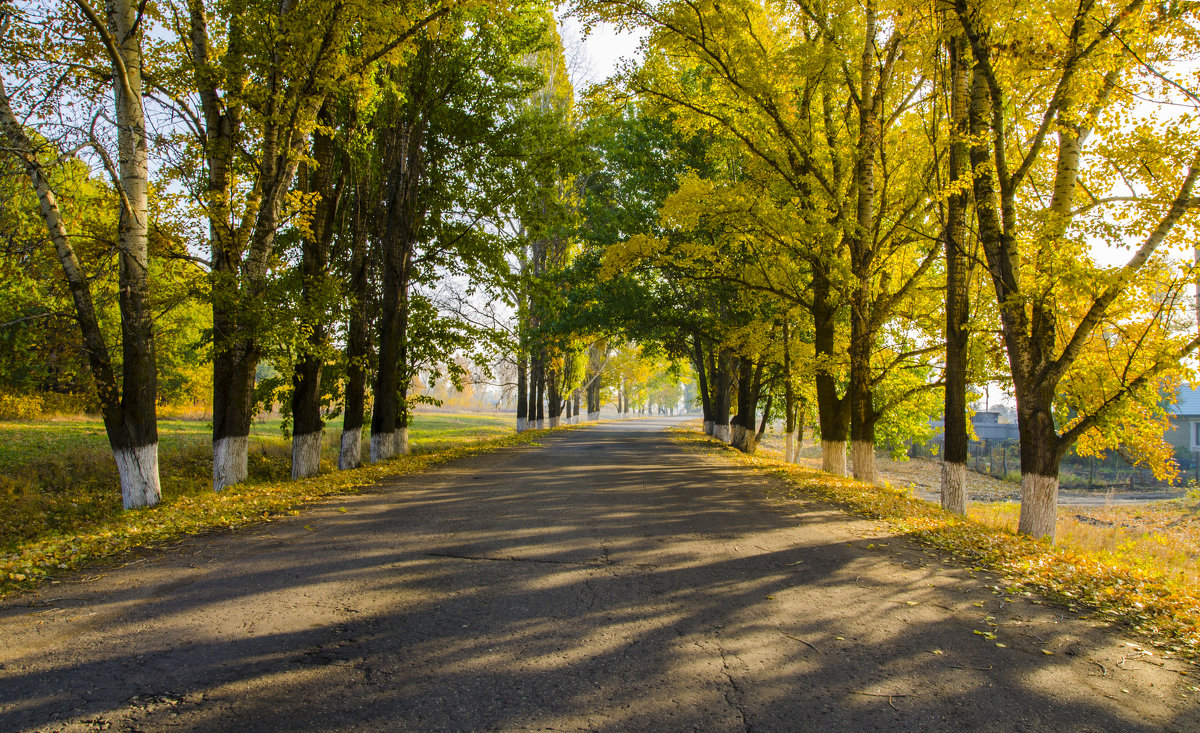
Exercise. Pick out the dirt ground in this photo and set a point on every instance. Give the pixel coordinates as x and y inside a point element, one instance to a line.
<point>604,580</point>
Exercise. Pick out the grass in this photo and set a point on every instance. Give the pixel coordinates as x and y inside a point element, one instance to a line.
<point>60,504</point>
<point>1162,538</point>
<point>1118,577</point>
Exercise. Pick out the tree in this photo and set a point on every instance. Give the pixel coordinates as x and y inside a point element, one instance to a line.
<point>128,409</point>
<point>454,144</point>
<point>262,72</point>
<point>954,237</point>
<point>324,182</point>
<point>1082,340</point>
<point>845,237</point>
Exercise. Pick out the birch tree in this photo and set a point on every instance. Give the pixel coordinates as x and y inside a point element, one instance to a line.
<point>127,402</point>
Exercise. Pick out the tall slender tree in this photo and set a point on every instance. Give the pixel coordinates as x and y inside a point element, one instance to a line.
<point>127,403</point>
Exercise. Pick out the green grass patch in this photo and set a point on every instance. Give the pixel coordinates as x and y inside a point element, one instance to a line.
<point>60,503</point>
<point>1149,598</point>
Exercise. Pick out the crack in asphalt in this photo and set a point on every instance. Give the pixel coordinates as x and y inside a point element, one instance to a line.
<point>735,690</point>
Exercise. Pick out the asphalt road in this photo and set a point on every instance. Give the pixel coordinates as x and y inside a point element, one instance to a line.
<point>604,580</point>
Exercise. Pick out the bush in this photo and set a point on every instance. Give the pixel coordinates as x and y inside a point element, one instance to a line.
<point>20,406</point>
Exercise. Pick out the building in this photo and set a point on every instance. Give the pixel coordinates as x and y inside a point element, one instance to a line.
<point>988,429</point>
<point>1185,422</point>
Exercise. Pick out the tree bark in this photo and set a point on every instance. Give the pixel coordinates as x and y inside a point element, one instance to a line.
<point>554,403</point>
<point>308,426</point>
<point>723,369</point>
<point>762,426</point>
<point>539,404</point>
<point>522,394</point>
<point>789,399</point>
<point>954,460</point>
<point>404,216</point>
<point>700,363</point>
<point>833,412</point>
<point>749,380</point>
<point>357,337</point>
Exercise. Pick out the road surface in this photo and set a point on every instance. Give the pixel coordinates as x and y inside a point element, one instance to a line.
<point>604,580</point>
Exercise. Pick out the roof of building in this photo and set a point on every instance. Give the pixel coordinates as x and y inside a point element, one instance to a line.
<point>1188,401</point>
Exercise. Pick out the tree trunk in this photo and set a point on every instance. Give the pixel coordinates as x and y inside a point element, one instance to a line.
<point>749,376</point>
<point>861,393</point>
<point>522,394</point>
<point>762,427</point>
<point>699,361</point>
<point>404,172</point>
<point>383,411</point>
<point>723,369</point>
<point>789,399</point>
<point>801,407</point>
<point>833,412</point>
<point>954,466</point>
<point>1040,460</point>
<point>234,363</point>
<point>357,336</point>
<point>539,404</point>
<point>862,262</point>
<point>532,398</point>
<point>554,403</point>
<point>136,447</point>
<point>307,424</point>
<point>400,445</point>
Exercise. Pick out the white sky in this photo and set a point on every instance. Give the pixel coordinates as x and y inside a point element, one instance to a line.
<point>593,59</point>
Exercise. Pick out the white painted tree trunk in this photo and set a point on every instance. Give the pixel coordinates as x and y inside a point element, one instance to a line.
<point>383,446</point>
<point>954,487</point>
<point>743,439</point>
<point>306,454</point>
<point>138,471</point>
<point>862,460</point>
<point>350,455</point>
<point>554,422</point>
<point>722,433</point>
<point>1039,505</point>
<point>229,461</point>
<point>522,424</point>
<point>789,448</point>
<point>708,427</point>
<point>833,457</point>
<point>593,416</point>
<point>401,442</point>
<point>541,424</point>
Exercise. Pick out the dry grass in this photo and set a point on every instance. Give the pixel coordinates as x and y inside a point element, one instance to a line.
<point>1162,538</point>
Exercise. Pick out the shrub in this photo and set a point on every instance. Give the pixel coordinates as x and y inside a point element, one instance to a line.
<point>20,406</point>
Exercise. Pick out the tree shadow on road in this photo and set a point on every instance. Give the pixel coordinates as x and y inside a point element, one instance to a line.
<point>639,591</point>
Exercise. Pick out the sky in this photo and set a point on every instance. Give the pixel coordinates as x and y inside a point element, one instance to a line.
<point>593,59</point>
